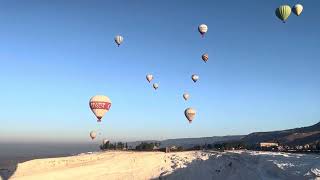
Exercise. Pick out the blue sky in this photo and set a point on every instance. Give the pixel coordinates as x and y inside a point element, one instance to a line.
<point>54,55</point>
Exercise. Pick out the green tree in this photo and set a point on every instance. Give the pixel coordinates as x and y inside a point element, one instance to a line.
<point>120,145</point>
<point>145,146</point>
<point>180,148</point>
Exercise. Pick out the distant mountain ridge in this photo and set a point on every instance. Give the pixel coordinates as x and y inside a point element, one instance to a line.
<point>296,136</point>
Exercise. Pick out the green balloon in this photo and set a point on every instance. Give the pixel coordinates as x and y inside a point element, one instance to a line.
<point>283,12</point>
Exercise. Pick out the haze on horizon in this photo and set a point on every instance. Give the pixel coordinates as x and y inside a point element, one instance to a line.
<point>261,75</point>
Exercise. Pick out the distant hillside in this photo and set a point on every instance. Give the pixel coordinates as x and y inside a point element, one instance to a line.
<point>304,135</point>
<point>297,136</point>
<point>190,142</point>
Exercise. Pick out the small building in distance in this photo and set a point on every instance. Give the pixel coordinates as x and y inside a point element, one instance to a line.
<point>169,149</point>
<point>155,147</point>
<point>173,148</point>
<point>268,145</point>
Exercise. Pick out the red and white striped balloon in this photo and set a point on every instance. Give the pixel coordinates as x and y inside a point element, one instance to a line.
<point>99,105</point>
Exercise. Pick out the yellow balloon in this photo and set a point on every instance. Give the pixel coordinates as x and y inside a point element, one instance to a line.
<point>283,12</point>
<point>297,9</point>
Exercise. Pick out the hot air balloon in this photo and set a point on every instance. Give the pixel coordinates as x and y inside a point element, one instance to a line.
<point>205,57</point>
<point>202,29</point>
<point>105,141</point>
<point>190,114</point>
<point>283,12</point>
<point>99,105</point>
<point>194,78</point>
<point>297,9</point>
<point>93,135</point>
<point>118,39</point>
<point>155,86</point>
<point>149,77</point>
<point>186,96</point>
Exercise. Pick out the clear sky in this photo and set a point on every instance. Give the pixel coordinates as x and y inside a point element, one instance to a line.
<point>55,55</point>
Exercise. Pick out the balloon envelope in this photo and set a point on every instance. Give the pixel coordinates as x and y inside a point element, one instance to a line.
<point>205,57</point>
<point>105,141</point>
<point>202,29</point>
<point>93,135</point>
<point>99,105</point>
<point>186,96</point>
<point>190,114</point>
<point>297,9</point>
<point>194,78</point>
<point>118,39</point>
<point>283,12</point>
<point>155,86</point>
<point>149,77</point>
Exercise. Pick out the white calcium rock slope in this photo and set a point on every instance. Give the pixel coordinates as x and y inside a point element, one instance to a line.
<point>232,165</point>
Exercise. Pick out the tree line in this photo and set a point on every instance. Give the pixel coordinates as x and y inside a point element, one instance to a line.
<point>114,146</point>
<point>219,146</point>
